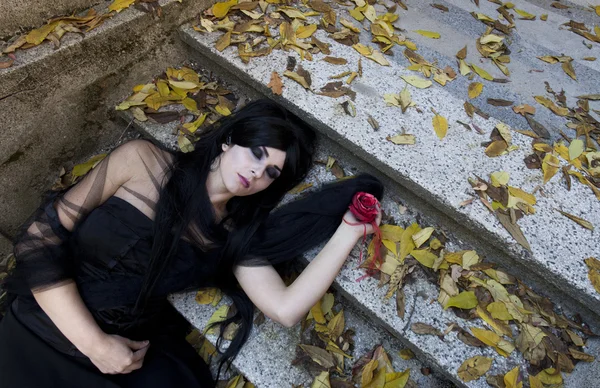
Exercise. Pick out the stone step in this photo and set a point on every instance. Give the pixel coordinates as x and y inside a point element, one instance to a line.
<point>445,356</point>
<point>53,102</point>
<point>437,171</point>
<point>266,359</point>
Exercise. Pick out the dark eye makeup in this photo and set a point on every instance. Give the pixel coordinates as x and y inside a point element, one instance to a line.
<point>272,172</point>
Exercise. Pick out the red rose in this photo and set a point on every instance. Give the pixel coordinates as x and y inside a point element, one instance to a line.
<point>365,207</point>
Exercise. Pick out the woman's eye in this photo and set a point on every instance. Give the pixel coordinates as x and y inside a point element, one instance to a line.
<point>257,152</point>
<point>273,173</point>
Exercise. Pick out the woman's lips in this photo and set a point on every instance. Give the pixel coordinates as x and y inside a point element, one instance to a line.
<point>244,181</point>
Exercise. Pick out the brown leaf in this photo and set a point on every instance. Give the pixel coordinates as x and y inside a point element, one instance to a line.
<point>400,303</point>
<point>6,64</point>
<point>335,60</point>
<point>594,272</point>
<point>318,355</point>
<point>538,128</point>
<point>276,84</point>
<point>462,53</point>
<point>423,328</point>
<point>513,229</point>
<point>578,355</point>
<point>568,68</point>
<point>499,102</point>
<point>440,7</point>
<point>474,367</point>
<point>373,122</point>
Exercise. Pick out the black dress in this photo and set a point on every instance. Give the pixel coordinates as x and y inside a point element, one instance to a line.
<point>107,255</point>
<point>113,246</point>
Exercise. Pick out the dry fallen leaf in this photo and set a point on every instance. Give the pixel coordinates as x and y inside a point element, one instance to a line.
<point>276,84</point>
<point>423,328</point>
<point>580,221</point>
<point>475,89</point>
<point>594,271</point>
<point>473,368</point>
<point>403,139</point>
<point>428,34</point>
<point>417,81</point>
<point>440,126</point>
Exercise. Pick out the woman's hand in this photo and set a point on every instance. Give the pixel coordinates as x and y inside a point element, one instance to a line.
<point>350,223</point>
<point>116,354</point>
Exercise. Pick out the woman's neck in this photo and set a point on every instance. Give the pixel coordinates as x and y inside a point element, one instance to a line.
<point>217,191</point>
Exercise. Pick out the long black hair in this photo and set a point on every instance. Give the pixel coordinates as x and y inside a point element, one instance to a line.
<point>184,201</point>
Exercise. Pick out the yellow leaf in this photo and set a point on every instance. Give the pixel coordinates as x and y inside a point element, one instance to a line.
<point>500,178</point>
<point>224,41</point>
<point>317,313</point>
<point>163,88</point>
<point>193,126</point>
<point>396,379</point>
<point>594,272</point>
<point>534,381</point>
<point>550,376</point>
<point>119,5</point>
<point>465,300</point>
<point>475,89</point>
<point>516,192</point>
<point>404,139</point>
<point>568,69</point>
<point>306,31</point>
<point>417,81</point>
<point>321,381</point>
<point>499,311</point>
<point>220,10</point>
<point>38,35</point>
<point>186,85</point>
<point>550,105</point>
<point>482,73</point>
<point>469,258</point>
<point>511,378</point>
<point>83,168</point>
<point>297,77</point>
<point>190,104</point>
<point>576,148</point>
<point>406,242</point>
<point>391,232</point>
<point>440,125</point>
<point>424,257</point>
<point>209,296</point>
<point>219,315</point>
<point>580,221</point>
<point>222,110</point>
<point>525,15</point>
<point>428,34</point>
<point>473,368</point>
<point>185,145</point>
<point>463,67</point>
<point>421,236</point>
<point>502,346</point>
<point>550,166</point>
<point>499,327</point>
<point>367,372</point>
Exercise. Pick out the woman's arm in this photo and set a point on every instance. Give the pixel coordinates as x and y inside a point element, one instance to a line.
<point>111,354</point>
<point>287,305</point>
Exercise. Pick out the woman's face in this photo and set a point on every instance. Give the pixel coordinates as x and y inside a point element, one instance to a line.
<point>246,171</point>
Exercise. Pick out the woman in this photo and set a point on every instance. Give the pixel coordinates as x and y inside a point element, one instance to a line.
<point>96,263</point>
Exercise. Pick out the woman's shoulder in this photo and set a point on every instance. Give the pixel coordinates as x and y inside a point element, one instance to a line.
<point>143,154</point>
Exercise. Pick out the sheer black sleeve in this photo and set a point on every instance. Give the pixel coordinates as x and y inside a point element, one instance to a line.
<point>305,223</point>
<point>42,246</point>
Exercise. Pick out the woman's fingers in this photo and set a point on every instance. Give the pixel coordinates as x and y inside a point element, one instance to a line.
<point>139,355</point>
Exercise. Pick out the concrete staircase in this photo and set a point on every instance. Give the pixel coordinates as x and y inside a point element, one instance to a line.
<point>428,178</point>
